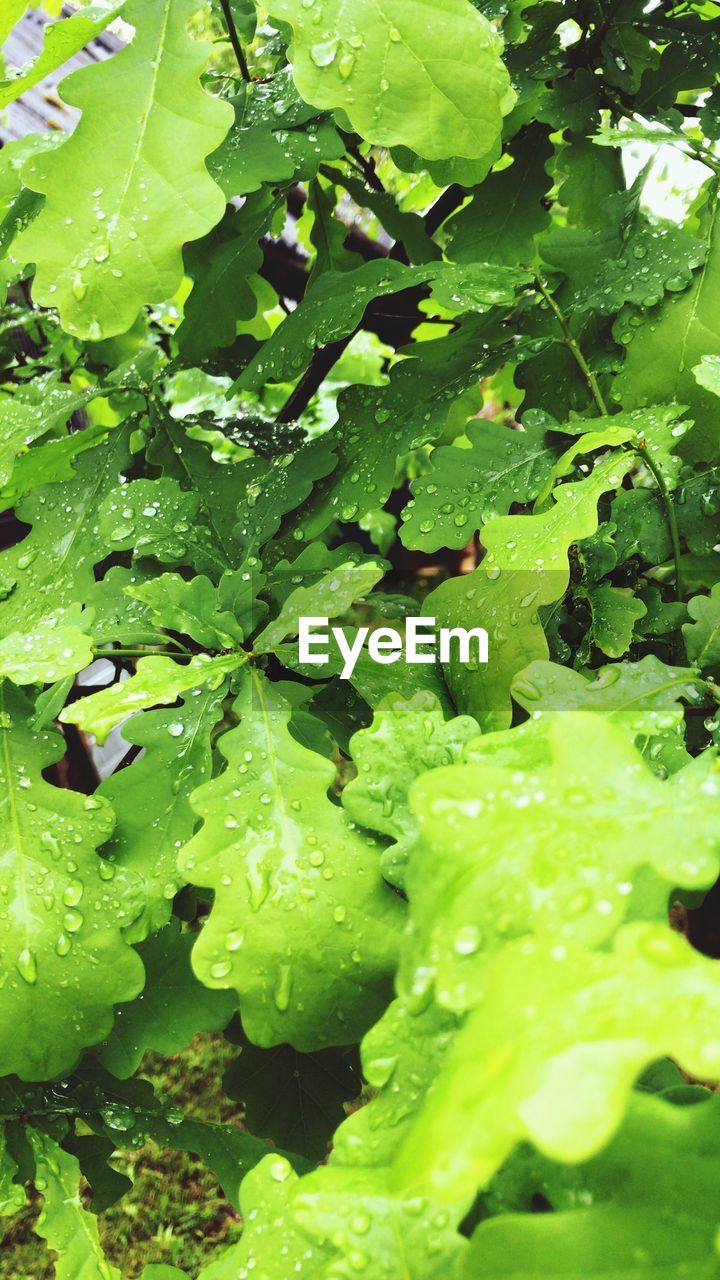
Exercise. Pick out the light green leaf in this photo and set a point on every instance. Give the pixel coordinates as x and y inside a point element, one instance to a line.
<point>624,689</point>
<point>575,854</point>
<point>151,798</point>
<point>157,681</point>
<point>702,635</point>
<point>339,1222</point>
<point>13,11</point>
<point>62,41</point>
<point>404,73</point>
<point>615,610</point>
<point>526,567</point>
<point>404,741</point>
<point>69,1229</point>
<point>65,909</point>
<point>121,202</point>
<point>172,1009</point>
<point>552,1052</point>
<point>302,924</point>
<point>53,650</point>
<point>707,374</point>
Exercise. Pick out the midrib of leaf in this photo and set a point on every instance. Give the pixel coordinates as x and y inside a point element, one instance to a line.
<point>14,815</point>
<point>150,102</point>
<point>641,696</point>
<point>84,508</point>
<point>703,273</point>
<point>272,760</point>
<point>708,644</point>
<point>183,755</point>
<point>424,66</point>
<point>71,1197</point>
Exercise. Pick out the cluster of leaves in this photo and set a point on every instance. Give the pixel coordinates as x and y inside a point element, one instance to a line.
<point>358,312</point>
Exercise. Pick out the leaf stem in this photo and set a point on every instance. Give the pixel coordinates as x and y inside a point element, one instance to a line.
<point>670,515</point>
<point>573,347</point>
<point>235,39</point>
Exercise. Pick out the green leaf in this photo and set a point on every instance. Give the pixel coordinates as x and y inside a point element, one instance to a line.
<point>26,416</point>
<point>67,1227</point>
<point>216,617</point>
<point>52,650</point>
<point>339,1221</point>
<point>296,1099</point>
<point>276,137</point>
<point>151,798</point>
<point>505,214</point>
<point>615,611</point>
<point>329,596</point>
<point>381,423</point>
<point>465,487</point>
<point>652,261</point>
<point>405,740</point>
<point>702,635</point>
<point>645,1205</point>
<point>624,689</point>
<point>158,518</point>
<point>120,203</point>
<point>672,339</point>
<point>298,892</point>
<point>707,374</point>
<point>12,1195</point>
<point>220,266</point>
<point>576,856</point>
<point>404,74</point>
<point>157,681</point>
<point>52,567</point>
<point>13,11</point>
<point>553,1050</point>
<point>526,567</point>
<point>335,304</point>
<point>172,1009</point>
<point>48,463</point>
<point>62,41</point>
<point>65,910</point>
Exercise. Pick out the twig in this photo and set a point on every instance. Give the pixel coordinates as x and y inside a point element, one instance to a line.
<point>235,40</point>
<point>574,349</point>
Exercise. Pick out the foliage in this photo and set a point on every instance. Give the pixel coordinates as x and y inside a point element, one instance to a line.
<point>367,313</point>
